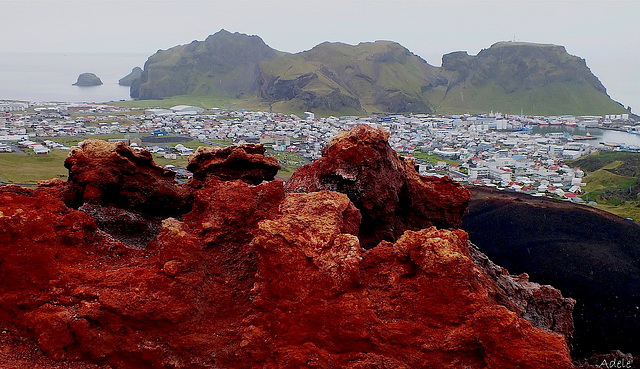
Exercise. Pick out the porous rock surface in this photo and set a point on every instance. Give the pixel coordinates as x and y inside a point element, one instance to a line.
<point>246,162</point>
<point>250,276</point>
<point>387,189</point>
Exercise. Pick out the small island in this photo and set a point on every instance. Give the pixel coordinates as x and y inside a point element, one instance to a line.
<point>88,79</point>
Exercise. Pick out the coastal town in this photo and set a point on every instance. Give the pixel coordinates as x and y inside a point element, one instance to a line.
<point>496,150</point>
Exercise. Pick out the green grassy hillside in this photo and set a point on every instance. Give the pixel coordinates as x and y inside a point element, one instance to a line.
<point>552,99</point>
<point>514,77</point>
<point>379,76</point>
<point>236,70</point>
<point>613,178</point>
<point>223,64</point>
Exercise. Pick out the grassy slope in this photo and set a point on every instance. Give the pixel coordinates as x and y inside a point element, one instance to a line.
<point>552,99</point>
<point>612,180</point>
<point>349,63</point>
<point>629,209</point>
<point>40,167</point>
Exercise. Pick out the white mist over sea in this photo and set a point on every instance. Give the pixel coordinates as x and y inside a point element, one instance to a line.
<point>49,76</point>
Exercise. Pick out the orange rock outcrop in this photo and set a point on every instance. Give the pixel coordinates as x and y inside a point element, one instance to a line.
<point>244,275</point>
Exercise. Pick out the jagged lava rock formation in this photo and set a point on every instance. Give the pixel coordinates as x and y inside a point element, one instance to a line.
<point>387,189</point>
<point>252,276</point>
<point>247,163</point>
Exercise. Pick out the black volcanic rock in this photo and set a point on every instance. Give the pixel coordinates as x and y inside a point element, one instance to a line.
<point>88,79</point>
<point>130,78</point>
<point>590,255</point>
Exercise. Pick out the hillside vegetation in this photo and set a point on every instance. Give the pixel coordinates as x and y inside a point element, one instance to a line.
<point>613,178</point>
<point>232,69</point>
<point>381,76</point>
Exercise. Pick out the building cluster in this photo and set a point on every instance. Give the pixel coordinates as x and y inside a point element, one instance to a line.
<point>494,150</point>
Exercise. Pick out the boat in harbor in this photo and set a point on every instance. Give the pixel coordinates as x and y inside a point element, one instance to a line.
<point>634,130</point>
<point>588,136</point>
<point>610,144</point>
<point>630,148</point>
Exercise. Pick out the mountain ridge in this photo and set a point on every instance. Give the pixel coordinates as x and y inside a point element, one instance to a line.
<point>378,77</point>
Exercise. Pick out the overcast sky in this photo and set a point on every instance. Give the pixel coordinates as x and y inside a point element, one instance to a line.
<point>605,33</point>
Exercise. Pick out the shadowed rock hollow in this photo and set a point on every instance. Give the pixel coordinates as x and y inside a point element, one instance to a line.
<point>241,275</point>
<point>591,255</point>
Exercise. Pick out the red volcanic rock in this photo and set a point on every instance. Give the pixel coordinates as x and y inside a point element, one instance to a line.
<point>110,173</point>
<point>245,162</point>
<point>419,303</point>
<point>129,227</point>
<point>81,295</point>
<point>228,212</point>
<point>248,278</point>
<point>386,188</point>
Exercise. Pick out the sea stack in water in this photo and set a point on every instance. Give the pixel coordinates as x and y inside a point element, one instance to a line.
<point>88,79</point>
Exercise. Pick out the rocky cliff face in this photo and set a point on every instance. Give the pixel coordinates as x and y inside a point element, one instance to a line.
<point>224,63</point>
<point>522,76</point>
<point>379,77</point>
<point>514,65</point>
<point>246,273</point>
<point>131,78</point>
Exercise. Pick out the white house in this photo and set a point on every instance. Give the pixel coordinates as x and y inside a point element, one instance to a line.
<point>183,150</point>
<point>13,106</point>
<point>40,150</point>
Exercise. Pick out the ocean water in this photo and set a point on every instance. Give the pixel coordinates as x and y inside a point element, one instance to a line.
<point>603,135</point>
<point>43,77</point>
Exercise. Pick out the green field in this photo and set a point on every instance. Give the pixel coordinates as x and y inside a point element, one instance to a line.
<point>41,167</point>
<point>430,158</point>
<point>613,181</point>
<point>629,209</point>
<point>289,162</point>
<point>30,168</point>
